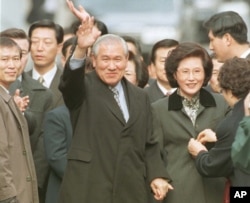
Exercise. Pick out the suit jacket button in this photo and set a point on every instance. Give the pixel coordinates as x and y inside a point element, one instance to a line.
<point>28,178</point>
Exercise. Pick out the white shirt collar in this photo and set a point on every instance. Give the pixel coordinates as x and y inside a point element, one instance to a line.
<point>48,77</point>
<point>164,90</point>
<point>20,78</point>
<point>119,86</point>
<point>245,54</point>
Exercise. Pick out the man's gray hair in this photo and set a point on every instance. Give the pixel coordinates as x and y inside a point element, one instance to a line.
<point>109,39</point>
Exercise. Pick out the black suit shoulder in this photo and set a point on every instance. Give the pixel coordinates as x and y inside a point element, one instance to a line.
<point>153,91</point>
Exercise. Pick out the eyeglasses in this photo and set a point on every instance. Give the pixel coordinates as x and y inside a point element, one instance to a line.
<point>186,72</point>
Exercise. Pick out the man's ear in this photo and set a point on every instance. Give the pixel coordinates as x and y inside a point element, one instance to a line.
<point>228,39</point>
<point>175,77</point>
<point>59,48</point>
<point>93,59</point>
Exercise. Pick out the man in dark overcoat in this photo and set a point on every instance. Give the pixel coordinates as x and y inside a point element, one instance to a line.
<point>113,156</point>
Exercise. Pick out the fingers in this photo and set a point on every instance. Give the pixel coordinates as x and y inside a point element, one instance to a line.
<point>202,140</point>
<point>86,26</point>
<point>80,13</point>
<point>170,187</point>
<point>158,195</point>
<point>70,4</point>
<point>84,12</point>
<point>17,92</point>
<point>194,147</point>
<point>160,188</point>
<point>206,135</point>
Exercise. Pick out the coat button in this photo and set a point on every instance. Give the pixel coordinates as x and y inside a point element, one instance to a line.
<point>24,152</point>
<point>28,178</point>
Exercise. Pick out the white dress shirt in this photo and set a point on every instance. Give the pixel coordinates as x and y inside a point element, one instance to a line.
<point>48,77</point>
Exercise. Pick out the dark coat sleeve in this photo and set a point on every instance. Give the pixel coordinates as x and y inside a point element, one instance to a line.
<point>69,86</point>
<point>57,133</point>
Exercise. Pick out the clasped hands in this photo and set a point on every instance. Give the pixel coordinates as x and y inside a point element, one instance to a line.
<point>160,188</point>
<point>195,146</point>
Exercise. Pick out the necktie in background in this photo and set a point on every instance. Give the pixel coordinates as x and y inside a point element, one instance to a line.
<point>168,93</point>
<point>41,80</point>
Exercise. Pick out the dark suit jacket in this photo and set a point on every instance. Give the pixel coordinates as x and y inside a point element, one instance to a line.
<point>217,162</point>
<point>154,93</point>
<point>57,139</point>
<point>40,102</point>
<point>109,160</point>
<point>57,95</point>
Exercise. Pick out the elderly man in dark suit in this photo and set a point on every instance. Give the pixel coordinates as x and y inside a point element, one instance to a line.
<point>113,156</point>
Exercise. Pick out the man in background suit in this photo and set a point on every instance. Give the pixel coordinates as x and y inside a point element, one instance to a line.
<point>46,42</point>
<point>40,102</point>
<point>17,172</point>
<point>160,87</point>
<point>227,32</point>
<point>113,157</point>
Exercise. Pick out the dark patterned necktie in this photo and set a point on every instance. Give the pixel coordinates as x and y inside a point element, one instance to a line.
<point>116,96</point>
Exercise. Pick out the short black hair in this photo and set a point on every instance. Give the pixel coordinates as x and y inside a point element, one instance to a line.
<point>165,43</point>
<point>15,33</point>
<point>69,42</point>
<point>45,23</point>
<point>133,41</point>
<point>227,22</point>
<point>8,42</point>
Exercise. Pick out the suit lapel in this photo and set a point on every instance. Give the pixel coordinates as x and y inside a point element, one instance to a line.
<point>107,97</point>
<point>10,102</point>
<point>133,102</point>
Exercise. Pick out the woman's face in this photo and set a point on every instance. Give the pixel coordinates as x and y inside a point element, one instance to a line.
<point>214,83</point>
<point>130,73</point>
<point>190,76</point>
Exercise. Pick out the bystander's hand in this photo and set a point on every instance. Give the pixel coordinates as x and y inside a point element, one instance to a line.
<point>21,102</point>
<point>206,135</point>
<point>194,147</point>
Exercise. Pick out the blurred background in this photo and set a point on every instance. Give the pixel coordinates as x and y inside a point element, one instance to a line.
<point>146,20</point>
